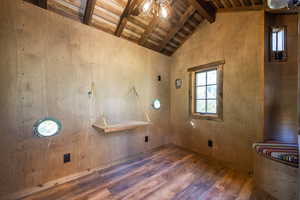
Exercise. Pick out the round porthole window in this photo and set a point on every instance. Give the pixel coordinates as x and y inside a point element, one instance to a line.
<point>46,127</point>
<point>156,104</point>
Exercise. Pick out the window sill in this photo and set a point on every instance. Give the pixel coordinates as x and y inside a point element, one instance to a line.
<point>207,117</point>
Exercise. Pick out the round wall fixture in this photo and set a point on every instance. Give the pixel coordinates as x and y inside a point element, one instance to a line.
<point>156,104</point>
<point>46,127</point>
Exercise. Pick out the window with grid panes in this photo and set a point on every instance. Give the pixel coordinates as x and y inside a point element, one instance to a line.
<point>206,90</point>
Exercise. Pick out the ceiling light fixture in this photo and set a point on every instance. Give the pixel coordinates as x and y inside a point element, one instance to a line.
<point>159,8</point>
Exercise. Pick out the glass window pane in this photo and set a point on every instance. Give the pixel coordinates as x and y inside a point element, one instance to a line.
<point>201,78</point>
<point>212,77</point>
<point>281,40</point>
<point>211,106</point>
<point>201,92</point>
<point>212,92</point>
<point>200,106</point>
<point>274,41</point>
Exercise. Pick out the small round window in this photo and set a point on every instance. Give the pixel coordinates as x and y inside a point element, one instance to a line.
<point>156,104</point>
<point>46,127</point>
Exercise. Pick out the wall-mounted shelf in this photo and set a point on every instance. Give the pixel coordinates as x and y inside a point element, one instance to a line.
<point>129,125</point>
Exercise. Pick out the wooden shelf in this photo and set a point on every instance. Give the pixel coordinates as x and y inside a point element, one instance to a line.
<point>129,125</point>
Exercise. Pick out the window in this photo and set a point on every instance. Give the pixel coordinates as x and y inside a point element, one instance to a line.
<point>206,90</point>
<point>278,50</point>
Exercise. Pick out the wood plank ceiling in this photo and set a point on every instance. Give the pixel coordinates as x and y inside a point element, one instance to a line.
<point>165,36</point>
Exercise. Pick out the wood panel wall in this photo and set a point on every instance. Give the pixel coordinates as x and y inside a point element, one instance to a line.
<point>48,64</point>
<point>275,178</point>
<point>298,179</point>
<point>281,85</point>
<point>238,38</point>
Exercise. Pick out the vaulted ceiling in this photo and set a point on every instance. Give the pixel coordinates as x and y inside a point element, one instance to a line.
<point>165,36</point>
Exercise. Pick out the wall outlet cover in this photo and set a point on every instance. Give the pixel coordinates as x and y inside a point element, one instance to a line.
<point>146,139</point>
<point>210,143</point>
<point>67,157</point>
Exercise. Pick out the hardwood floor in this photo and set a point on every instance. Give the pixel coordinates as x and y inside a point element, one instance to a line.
<point>167,173</point>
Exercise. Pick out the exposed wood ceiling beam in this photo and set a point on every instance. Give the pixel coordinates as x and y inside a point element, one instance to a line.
<point>109,7</point>
<point>252,3</point>
<point>131,4</point>
<point>153,24</point>
<point>224,3</point>
<point>215,3</point>
<point>89,9</point>
<point>42,3</point>
<point>242,3</point>
<point>120,2</point>
<point>137,22</point>
<point>177,27</point>
<point>150,28</point>
<point>204,9</point>
<point>232,3</point>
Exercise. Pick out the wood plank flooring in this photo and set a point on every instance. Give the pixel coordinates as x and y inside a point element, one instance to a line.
<point>167,173</point>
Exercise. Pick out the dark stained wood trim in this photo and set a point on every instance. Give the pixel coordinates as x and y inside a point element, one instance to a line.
<point>236,9</point>
<point>204,9</point>
<point>283,11</point>
<point>212,64</point>
<point>189,12</point>
<point>89,9</point>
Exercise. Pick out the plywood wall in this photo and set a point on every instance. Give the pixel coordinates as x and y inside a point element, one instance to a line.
<point>275,178</point>
<point>281,85</point>
<point>47,66</point>
<point>238,38</point>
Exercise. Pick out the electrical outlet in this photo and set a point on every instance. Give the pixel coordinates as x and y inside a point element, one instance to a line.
<point>210,143</point>
<point>67,157</point>
<point>159,77</point>
<point>146,138</point>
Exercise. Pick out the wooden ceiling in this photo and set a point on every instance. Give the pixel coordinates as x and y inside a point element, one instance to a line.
<point>164,36</point>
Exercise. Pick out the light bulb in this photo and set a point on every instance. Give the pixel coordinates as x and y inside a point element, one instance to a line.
<point>164,12</point>
<point>147,6</point>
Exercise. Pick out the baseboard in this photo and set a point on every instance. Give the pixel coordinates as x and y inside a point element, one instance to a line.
<point>29,191</point>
